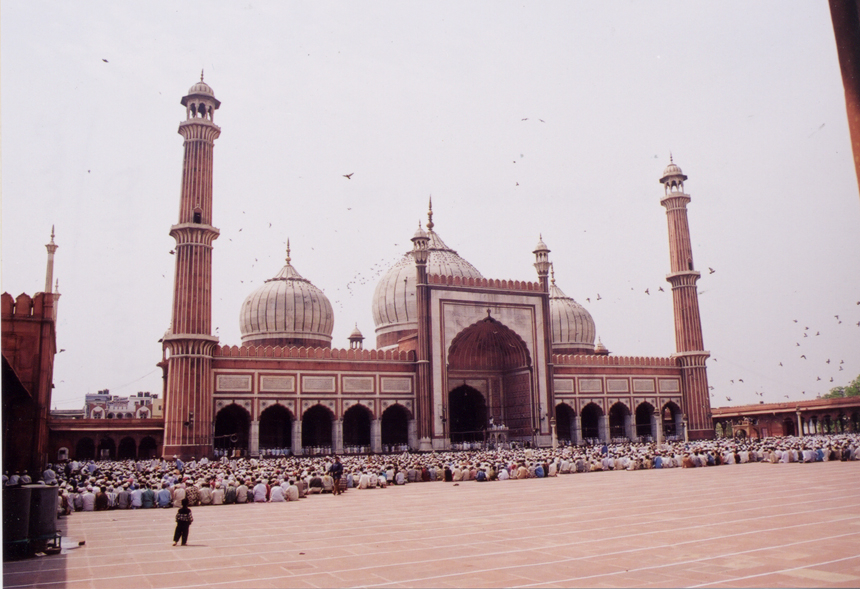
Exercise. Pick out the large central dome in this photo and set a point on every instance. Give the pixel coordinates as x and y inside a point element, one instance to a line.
<point>572,325</point>
<point>394,306</point>
<point>287,311</point>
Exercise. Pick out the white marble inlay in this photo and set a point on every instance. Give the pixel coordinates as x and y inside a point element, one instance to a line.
<point>233,383</point>
<point>278,384</point>
<point>318,384</point>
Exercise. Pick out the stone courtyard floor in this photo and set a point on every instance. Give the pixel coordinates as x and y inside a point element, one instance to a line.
<point>750,525</point>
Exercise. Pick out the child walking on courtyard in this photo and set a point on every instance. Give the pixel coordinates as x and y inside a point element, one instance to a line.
<point>183,523</point>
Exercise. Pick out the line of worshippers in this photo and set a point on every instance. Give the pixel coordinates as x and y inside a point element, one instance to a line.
<point>144,484</point>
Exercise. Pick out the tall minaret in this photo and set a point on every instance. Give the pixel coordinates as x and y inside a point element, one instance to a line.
<point>424,392</point>
<point>188,407</point>
<point>688,325</point>
<point>49,273</point>
<point>542,265</point>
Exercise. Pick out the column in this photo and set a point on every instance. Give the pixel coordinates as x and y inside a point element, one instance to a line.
<point>799,425</point>
<point>657,427</point>
<point>412,429</point>
<point>376,436</point>
<point>576,430</point>
<point>337,436</point>
<point>254,442</point>
<point>297,437</point>
<point>603,428</point>
<point>552,426</point>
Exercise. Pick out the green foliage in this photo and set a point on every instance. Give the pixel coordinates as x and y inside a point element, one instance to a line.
<point>852,390</point>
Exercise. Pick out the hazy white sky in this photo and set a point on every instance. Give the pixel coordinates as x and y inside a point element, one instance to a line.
<point>428,98</point>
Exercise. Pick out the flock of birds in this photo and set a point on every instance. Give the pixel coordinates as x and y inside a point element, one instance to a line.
<point>828,363</point>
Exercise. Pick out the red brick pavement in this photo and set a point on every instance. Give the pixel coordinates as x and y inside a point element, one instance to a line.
<point>750,525</point>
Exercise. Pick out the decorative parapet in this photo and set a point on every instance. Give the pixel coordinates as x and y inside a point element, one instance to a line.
<point>24,306</point>
<point>311,353</point>
<point>484,283</point>
<point>594,360</point>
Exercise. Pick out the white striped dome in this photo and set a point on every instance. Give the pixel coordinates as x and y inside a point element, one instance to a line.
<point>572,326</point>
<point>394,305</point>
<point>287,310</point>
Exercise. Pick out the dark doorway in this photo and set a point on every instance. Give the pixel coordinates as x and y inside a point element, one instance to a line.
<point>395,428</point>
<point>231,429</point>
<point>85,449</point>
<point>467,413</point>
<point>643,419</point>
<point>591,415</point>
<point>127,449</point>
<point>276,430</point>
<point>148,448</point>
<point>316,428</point>
<point>107,449</point>
<point>617,416</point>
<point>356,428</point>
<point>564,417</point>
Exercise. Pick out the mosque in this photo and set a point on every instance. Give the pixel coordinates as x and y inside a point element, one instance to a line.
<point>460,358</point>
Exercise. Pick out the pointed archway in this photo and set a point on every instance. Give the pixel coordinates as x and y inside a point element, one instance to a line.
<point>356,428</point>
<point>493,353</point>
<point>231,429</point>
<point>276,430</point>
<point>316,429</point>
<point>395,428</point>
<point>467,412</point>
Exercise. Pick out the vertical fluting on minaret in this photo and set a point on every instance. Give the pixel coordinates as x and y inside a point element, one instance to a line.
<point>689,344</point>
<point>424,393</point>
<point>188,407</point>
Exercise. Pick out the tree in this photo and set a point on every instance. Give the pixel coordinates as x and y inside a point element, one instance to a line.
<point>852,390</point>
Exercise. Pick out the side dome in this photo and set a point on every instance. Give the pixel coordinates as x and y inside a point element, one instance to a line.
<point>287,310</point>
<point>573,329</point>
<point>394,305</point>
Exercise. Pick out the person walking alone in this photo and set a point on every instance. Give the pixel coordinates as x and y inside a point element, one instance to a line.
<point>183,523</point>
<point>336,472</point>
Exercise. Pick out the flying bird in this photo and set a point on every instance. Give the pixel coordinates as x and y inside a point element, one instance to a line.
<point>780,363</point>
<point>104,60</point>
<point>831,379</point>
<point>646,292</point>
<point>731,381</point>
<point>786,396</point>
<point>803,356</point>
<point>525,119</point>
<point>728,398</point>
<point>542,121</point>
<point>795,320</point>
<point>828,361</point>
<point>817,333</point>
<point>63,350</point>
<point>348,176</point>
<point>598,296</point>
<point>172,252</point>
<point>711,270</point>
<point>661,289</point>
<point>798,344</point>
<point>740,380</point>
<point>819,378</point>
<point>587,299</point>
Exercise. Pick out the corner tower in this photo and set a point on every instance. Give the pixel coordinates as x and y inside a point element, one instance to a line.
<point>688,325</point>
<point>189,343</point>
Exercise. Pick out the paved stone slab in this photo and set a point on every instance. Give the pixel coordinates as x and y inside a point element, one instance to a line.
<point>747,525</point>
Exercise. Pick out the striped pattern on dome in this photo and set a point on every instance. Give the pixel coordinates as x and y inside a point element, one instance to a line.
<point>394,304</point>
<point>287,307</point>
<point>572,326</point>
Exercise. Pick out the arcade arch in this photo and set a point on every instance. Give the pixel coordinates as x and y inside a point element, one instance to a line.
<point>644,413</point>
<point>148,448</point>
<point>107,449</point>
<point>395,427</point>
<point>85,449</point>
<point>127,449</point>
<point>564,422</point>
<point>317,428</point>
<point>672,416</point>
<point>619,419</point>
<point>356,428</point>
<point>231,429</point>
<point>276,429</point>
<point>591,415</point>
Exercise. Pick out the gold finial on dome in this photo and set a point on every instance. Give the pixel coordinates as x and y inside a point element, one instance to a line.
<point>552,273</point>
<point>288,251</point>
<point>201,74</point>
<point>430,215</point>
